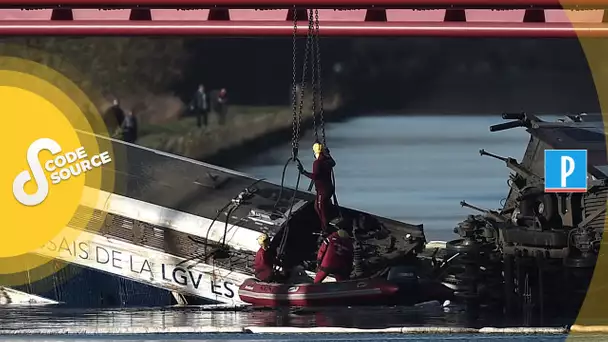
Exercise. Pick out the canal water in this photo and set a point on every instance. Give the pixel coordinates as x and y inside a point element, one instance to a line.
<point>414,169</point>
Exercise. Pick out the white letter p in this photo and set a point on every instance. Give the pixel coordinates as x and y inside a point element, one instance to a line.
<point>565,170</point>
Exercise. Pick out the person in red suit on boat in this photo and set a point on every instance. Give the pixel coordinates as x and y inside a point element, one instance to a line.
<point>335,257</point>
<point>321,175</point>
<point>263,263</point>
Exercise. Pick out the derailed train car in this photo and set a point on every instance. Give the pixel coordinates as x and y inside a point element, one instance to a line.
<point>540,249</point>
<point>174,230</point>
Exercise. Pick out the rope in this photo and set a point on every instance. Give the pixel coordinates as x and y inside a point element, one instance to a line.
<point>204,254</point>
<point>226,223</point>
<point>282,184</point>
<point>222,210</point>
<point>286,231</point>
<point>333,179</point>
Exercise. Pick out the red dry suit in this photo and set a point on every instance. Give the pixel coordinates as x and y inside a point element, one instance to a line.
<point>321,175</point>
<point>263,264</point>
<point>335,257</point>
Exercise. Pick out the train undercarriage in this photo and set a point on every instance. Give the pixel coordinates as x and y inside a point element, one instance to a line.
<point>537,254</point>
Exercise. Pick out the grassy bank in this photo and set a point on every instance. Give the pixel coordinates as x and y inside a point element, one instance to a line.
<point>184,138</point>
<point>244,125</point>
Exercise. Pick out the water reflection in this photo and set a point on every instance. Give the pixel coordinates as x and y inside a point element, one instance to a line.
<point>431,314</point>
<point>49,318</point>
<point>319,338</point>
<point>413,169</point>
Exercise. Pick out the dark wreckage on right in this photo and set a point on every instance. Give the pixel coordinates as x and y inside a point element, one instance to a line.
<point>538,252</point>
<point>535,255</point>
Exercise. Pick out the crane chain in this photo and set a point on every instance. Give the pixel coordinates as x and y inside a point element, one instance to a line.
<point>319,88</point>
<point>297,108</point>
<point>297,121</point>
<point>307,50</point>
<point>317,96</point>
<point>314,81</point>
<point>294,88</point>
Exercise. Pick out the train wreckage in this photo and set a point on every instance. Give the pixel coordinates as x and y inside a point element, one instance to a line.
<point>164,241</point>
<point>176,230</point>
<point>538,251</point>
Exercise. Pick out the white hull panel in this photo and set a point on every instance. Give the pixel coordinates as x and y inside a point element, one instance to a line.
<point>10,297</point>
<point>146,266</point>
<point>180,221</point>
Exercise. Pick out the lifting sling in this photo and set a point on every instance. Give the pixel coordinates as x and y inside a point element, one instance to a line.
<point>297,119</point>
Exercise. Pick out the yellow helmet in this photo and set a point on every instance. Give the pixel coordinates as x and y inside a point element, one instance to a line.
<point>343,233</point>
<point>263,239</point>
<point>317,148</point>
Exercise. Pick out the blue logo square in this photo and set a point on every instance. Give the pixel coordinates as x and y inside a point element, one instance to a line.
<point>566,171</point>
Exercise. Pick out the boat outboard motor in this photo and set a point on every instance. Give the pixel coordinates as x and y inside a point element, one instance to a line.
<point>406,278</point>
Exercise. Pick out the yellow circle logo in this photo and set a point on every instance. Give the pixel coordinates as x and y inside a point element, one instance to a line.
<point>52,167</point>
<point>47,183</point>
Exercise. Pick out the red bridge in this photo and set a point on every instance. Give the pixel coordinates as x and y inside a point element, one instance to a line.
<point>499,18</point>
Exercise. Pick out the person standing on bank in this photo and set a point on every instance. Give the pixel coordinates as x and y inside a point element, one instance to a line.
<point>129,128</point>
<point>222,106</point>
<point>321,175</point>
<point>200,106</point>
<point>114,116</point>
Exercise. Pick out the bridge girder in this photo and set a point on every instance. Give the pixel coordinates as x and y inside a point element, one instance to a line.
<point>334,4</point>
<point>453,18</point>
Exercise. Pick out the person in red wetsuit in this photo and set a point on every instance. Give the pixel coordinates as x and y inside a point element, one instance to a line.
<point>263,264</point>
<point>321,175</point>
<point>335,257</point>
